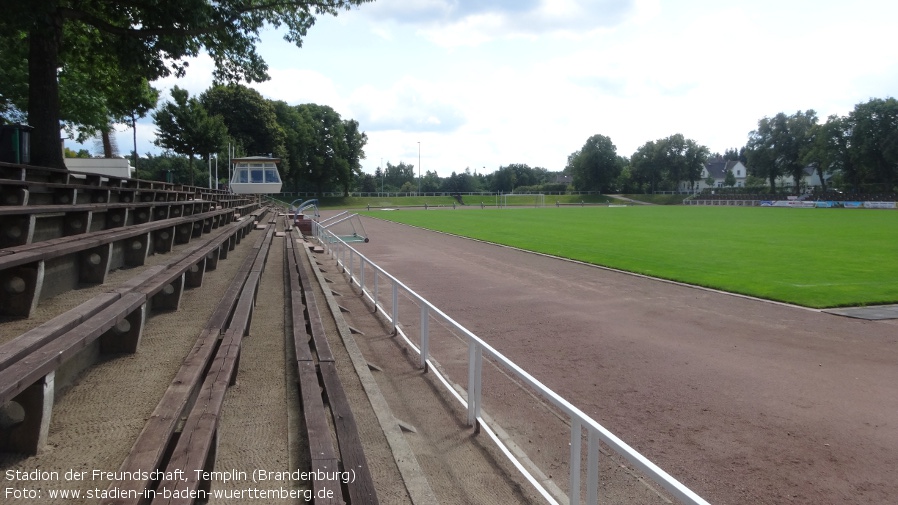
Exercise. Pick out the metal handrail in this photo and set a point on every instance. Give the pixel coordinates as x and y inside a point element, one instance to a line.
<point>477,348</point>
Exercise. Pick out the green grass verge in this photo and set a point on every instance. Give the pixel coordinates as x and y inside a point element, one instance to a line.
<point>812,257</point>
<point>658,199</point>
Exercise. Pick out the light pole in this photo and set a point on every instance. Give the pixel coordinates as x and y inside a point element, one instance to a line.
<point>419,168</point>
<point>383,175</point>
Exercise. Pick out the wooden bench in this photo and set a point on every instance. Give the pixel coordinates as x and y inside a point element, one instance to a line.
<point>321,450</point>
<point>121,189</point>
<point>29,363</point>
<point>29,224</point>
<point>87,258</point>
<point>29,381</point>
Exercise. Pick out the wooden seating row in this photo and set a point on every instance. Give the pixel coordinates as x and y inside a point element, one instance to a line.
<point>33,173</point>
<point>25,225</point>
<point>87,258</point>
<point>323,455</point>
<point>113,321</point>
<point>23,185</point>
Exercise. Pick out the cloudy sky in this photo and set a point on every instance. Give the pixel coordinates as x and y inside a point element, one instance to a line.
<point>480,84</point>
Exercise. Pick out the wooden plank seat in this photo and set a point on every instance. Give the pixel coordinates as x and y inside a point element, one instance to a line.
<point>351,454</point>
<point>28,363</point>
<point>27,342</point>
<point>243,204</point>
<point>322,453</point>
<point>29,381</point>
<point>35,223</point>
<point>121,189</point>
<point>165,289</point>
<point>23,268</point>
<point>316,328</point>
<point>21,172</point>
<point>16,192</point>
<point>195,448</point>
<point>36,173</point>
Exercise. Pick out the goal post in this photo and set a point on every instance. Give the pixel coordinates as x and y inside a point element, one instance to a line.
<point>523,200</point>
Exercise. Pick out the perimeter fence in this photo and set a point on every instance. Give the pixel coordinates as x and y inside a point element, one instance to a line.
<point>421,319</point>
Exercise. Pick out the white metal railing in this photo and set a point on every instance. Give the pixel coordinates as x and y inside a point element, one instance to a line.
<point>347,256</point>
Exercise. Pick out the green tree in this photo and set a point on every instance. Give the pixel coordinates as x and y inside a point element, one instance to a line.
<point>298,137</point>
<point>828,151</point>
<point>695,159</point>
<point>163,167</point>
<point>431,182</point>
<point>135,106</point>
<point>505,179</point>
<point>873,139</point>
<point>761,150</point>
<point>327,157</point>
<point>734,155</point>
<point>796,144</point>
<point>367,183</point>
<point>779,146</point>
<point>81,153</point>
<point>644,167</point>
<point>354,144</point>
<point>665,162</point>
<point>251,119</point>
<point>397,175</point>
<point>94,92</point>
<point>754,182</point>
<point>596,165</point>
<point>729,180</point>
<point>146,38</point>
<point>185,127</point>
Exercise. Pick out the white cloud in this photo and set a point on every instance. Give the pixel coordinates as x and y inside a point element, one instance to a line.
<point>453,23</point>
<point>299,85</point>
<point>408,105</point>
<point>197,79</point>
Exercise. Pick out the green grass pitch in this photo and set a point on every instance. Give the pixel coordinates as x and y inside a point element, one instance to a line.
<point>811,257</point>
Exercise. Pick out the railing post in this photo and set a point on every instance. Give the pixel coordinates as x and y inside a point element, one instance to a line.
<point>362,274</point>
<point>576,434</point>
<point>351,256</point>
<point>376,292</point>
<point>592,468</point>
<point>395,305</point>
<point>475,376</point>
<point>425,334</point>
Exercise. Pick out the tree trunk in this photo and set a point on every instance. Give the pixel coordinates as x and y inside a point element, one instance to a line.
<point>190,168</point>
<point>107,143</point>
<point>44,41</point>
<point>822,180</point>
<point>134,131</point>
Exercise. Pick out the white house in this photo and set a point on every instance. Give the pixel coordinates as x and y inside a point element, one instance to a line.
<point>717,170</point>
<point>809,180</point>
